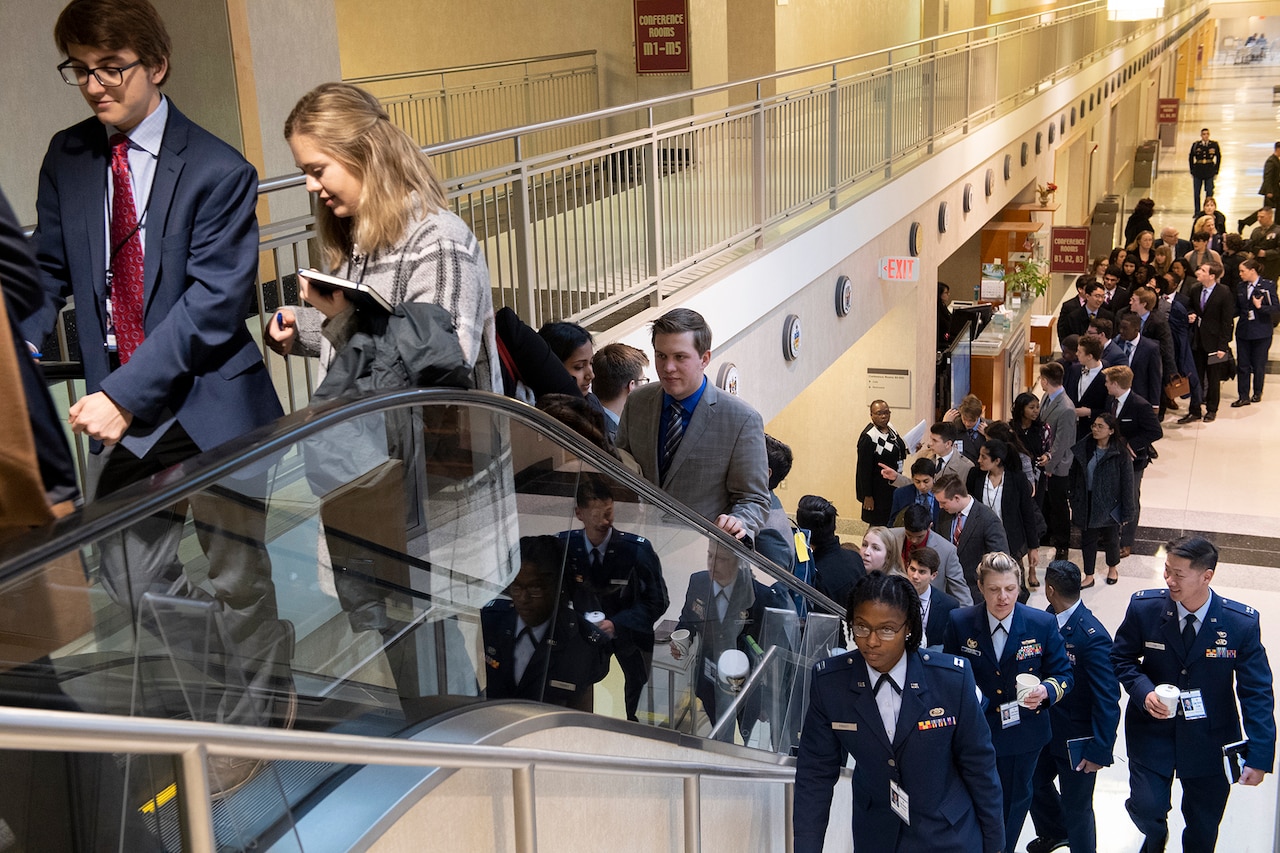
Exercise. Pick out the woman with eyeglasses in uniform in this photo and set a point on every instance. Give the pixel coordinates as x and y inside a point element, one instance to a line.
<point>924,776</point>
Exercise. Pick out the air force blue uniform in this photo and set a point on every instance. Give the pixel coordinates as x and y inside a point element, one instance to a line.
<point>1033,646</point>
<point>941,756</point>
<point>1091,710</point>
<point>1226,662</point>
<point>629,589</point>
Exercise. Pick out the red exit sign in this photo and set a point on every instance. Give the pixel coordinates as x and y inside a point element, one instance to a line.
<point>900,269</point>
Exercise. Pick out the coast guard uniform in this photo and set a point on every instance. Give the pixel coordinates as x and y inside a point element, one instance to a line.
<point>939,765</point>
<point>1018,734</point>
<point>1223,663</point>
<point>1091,710</point>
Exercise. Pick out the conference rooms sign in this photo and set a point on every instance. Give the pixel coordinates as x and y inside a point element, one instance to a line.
<point>1069,250</point>
<point>662,36</point>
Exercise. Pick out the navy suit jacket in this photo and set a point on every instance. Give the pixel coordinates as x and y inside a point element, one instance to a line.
<point>1113,354</point>
<point>1213,327</point>
<point>1226,662</point>
<point>1259,328</point>
<point>1092,708</point>
<point>1140,428</point>
<point>198,361</point>
<point>905,496</point>
<point>1094,397</point>
<point>1034,645</point>
<point>1147,365</point>
<point>629,588</point>
<point>940,607</point>
<point>941,755</point>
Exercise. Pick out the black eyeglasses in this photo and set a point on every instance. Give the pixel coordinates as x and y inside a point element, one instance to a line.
<point>74,74</point>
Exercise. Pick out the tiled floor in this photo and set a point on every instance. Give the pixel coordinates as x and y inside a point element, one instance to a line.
<point>1212,478</point>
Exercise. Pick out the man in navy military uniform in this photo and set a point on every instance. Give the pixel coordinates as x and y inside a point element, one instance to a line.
<point>535,646</point>
<point>1090,711</point>
<point>619,574</point>
<point>1210,648</point>
<point>1002,639</point>
<point>1205,159</point>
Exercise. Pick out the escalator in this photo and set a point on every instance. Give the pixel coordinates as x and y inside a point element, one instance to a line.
<point>368,568</point>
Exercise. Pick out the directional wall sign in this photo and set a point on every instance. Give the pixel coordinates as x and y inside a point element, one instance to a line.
<point>900,269</point>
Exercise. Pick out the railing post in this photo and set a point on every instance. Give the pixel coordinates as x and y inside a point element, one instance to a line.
<point>789,814</point>
<point>968,81</point>
<point>524,227</point>
<point>833,139</point>
<point>888,122</point>
<point>930,96</point>
<point>652,212</point>
<point>693,814</point>
<point>524,804</point>
<point>196,816</point>
<point>758,174</point>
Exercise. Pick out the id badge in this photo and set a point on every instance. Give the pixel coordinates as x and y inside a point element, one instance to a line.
<point>709,669</point>
<point>1009,715</point>
<point>899,802</point>
<point>1192,704</point>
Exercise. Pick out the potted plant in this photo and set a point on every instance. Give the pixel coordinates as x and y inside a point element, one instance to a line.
<point>1045,193</point>
<point>1027,277</point>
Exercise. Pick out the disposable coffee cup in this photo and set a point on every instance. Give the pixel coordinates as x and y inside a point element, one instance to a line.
<point>595,617</point>
<point>680,640</point>
<point>1026,683</point>
<point>1168,696</point>
<point>732,668</point>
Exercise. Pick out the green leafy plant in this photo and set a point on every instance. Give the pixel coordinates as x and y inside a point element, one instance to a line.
<point>1027,277</point>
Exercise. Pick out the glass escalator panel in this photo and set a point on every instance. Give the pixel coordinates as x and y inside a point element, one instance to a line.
<point>371,570</point>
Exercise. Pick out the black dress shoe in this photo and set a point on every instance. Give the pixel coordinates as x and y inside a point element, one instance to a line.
<point>1060,554</point>
<point>1210,417</point>
<point>1243,401</point>
<point>1044,845</point>
<point>1256,398</point>
<point>1190,417</point>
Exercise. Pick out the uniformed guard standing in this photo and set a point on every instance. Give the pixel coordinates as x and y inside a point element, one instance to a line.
<point>1004,640</point>
<point>924,777</point>
<point>1204,159</point>
<point>1210,649</point>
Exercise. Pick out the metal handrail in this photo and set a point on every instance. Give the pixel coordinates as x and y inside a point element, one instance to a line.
<point>477,66</point>
<point>195,742</point>
<point>132,504</point>
<point>650,104</point>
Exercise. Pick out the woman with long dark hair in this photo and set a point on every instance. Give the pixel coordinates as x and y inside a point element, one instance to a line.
<point>1008,495</point>
<point>1101,481</point>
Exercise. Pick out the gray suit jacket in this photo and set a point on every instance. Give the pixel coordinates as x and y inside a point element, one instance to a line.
<point>958,464</point>
<point>1060,415</point>
<point>981,534</point>
<point>950,577</point>
<point>720,467</point>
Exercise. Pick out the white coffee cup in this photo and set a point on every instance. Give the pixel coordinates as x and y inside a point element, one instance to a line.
<point>1168,696</point>
<point>1026,683</point>
<point>595,617</point>
<point>680,641</point>
<point>732,668</point>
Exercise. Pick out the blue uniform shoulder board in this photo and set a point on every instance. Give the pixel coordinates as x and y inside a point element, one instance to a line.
<point>1238,607</point>
<point>947,661</point>
<point>1163,592</point>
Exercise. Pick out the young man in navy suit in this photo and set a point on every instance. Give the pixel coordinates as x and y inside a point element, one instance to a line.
<point>1141,429</point>
<point>935,605</point>
<point>1142,356</point>
<point>1002,639</point>
<point>1210,649</point>
<point>1091,711</point>
<point>148,220</point>
<point>1211,313</point>
<point>1085,386</point>
<point>619,574</point>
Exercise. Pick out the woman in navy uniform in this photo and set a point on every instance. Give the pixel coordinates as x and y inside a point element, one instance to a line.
<point>1001,640</point>
<point>1216,662</point>
<point>924,777</point>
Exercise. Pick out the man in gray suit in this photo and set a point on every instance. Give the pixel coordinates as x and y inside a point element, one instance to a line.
<point>1057,410</point>
<point>916,532</point>
<point>700,445</point>
<point>941,442</point>
<point>970,525</point>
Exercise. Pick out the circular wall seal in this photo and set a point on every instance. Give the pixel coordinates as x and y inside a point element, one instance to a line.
<point>844,296</point>
<point>791,337</point>
<point>727,378</point>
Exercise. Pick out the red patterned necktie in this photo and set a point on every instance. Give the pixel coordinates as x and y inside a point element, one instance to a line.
<point>126,253</point>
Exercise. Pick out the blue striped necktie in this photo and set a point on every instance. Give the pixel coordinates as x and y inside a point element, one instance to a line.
<point>675,432</point>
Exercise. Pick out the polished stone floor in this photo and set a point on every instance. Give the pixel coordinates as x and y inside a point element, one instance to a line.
<point>1219,478</point>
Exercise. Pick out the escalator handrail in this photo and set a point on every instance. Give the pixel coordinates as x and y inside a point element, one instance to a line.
<point>130,505</point>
